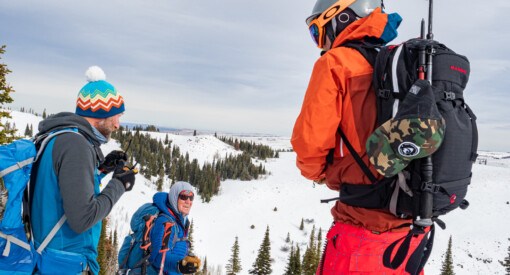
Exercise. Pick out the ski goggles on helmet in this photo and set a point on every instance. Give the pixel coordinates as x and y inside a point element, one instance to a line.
<point>316,25</point>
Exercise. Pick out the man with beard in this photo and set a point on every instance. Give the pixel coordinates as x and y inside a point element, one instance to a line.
<point>66,204</point>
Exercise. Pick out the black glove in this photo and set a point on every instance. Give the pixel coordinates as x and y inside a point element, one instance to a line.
<point>125,175</point>
<point>111,161</point>
<point>189,265</point>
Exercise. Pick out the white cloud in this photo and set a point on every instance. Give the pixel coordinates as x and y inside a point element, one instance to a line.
<point>254,57</point>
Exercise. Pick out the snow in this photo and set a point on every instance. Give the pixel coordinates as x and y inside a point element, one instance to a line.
<point>22,120</point>
<point>204,148</point>
<point>480,233</point>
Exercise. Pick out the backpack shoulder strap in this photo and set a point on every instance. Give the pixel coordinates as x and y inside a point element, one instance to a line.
<point>43,140</point>
<point>357,157</point>
<point>176,235</point>
<point>46,138</point>
<point>367,50</point>
<point>52,234</point>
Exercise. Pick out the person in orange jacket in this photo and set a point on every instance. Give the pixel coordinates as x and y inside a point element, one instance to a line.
<point>340,95</point>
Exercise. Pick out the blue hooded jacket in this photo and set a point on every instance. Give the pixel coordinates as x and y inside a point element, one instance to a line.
<point>167,204</point>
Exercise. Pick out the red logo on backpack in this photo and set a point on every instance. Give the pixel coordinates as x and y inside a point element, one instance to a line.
<point>453,198</point>
<point>458,69</point>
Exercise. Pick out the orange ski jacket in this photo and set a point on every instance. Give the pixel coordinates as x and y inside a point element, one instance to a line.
<point>340,94</point>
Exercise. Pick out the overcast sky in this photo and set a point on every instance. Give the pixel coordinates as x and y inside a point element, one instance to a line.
<point>225,65</point>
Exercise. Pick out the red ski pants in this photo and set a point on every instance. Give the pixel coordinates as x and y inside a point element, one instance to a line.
<point>357,251</point>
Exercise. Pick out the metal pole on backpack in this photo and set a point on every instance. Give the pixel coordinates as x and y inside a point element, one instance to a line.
<point>425,72</point>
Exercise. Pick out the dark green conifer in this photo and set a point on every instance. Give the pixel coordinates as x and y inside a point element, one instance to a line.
<point>297,261</point>
<point>262,264</point>
<point>310,259</point>
<point>319,244</point>
<point>447,268</point>
<point>27,132</point>
<point>102,254</point>
<point>204,268</point>
<point>234,263</point>
<point>289,268</point>
<point>506,262</point>
<point>7,134</point>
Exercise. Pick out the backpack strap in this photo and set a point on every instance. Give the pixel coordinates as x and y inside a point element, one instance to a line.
<point>419,256</point>
<point>176,235</point>
<point>52,234</point>
<point>11,239</point>
<point>131,246</point>
<point>16,166</point>
<point>43,141</point>
<point>474,142</point>
<point>367,50</point>
<point>357,157</point>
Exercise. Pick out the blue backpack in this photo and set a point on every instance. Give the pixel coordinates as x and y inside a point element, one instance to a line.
<point>17,252</point>
<point>135,251</point>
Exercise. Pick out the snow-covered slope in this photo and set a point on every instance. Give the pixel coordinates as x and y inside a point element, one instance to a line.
<point>480,233</point>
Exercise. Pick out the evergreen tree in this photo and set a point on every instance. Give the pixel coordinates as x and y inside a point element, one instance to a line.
<point>161,179</point>
<point>204,269</point>
<point>6,133</point>
<point>287,240</point>
<point>115,240</point>
<point>112,253</point>
<point>302,225</point>
<point>447,268</point>
<point>262,264</point>
<point>44,114</point>
<point>194,133</point>
<point>288,269</point>
<point>297,262</point>
<point>310,259</point>
<point>294,264</point>
<point>319,244</point>
<point>506,263</point>
<point>102,258</point>
<point>27,132</point>
<point>234,263</point>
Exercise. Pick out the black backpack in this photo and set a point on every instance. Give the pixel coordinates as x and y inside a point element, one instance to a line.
<point>395,71</point>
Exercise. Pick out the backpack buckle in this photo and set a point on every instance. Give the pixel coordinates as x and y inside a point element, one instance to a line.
<point>384,93</point>
<point>430,187</point>
<point>449,95</point>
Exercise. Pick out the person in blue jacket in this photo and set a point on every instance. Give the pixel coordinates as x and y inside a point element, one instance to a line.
<point>169,235</point>
<point>66,203</point>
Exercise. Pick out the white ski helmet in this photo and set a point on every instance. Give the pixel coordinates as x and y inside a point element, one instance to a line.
<point>362,8</point>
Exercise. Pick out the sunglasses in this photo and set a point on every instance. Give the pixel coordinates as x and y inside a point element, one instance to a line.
<point>316,26</point>
<point>186,197</point>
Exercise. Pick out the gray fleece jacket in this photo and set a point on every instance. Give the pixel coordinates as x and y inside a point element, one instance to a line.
<point>75,159</point>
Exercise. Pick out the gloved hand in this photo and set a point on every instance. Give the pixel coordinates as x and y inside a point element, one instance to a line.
<point>125,175</point>
<point>189,265</point>
<point>112,160</point>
